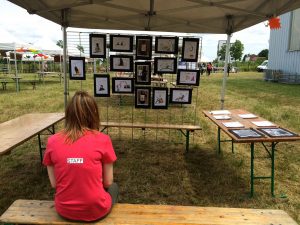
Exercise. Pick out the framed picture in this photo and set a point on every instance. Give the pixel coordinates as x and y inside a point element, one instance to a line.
<point>166,45</point>
<point>121,43</point>
<point>143,47</point>
<point>77,68</point>
<point>98,45</point>
<point>181,95</point>
<point>190,48</point>
<point>160,98</point>
<point>165,65</point>
<point>121,63</point>
<point>143,73</point>
<point>188,77</point>
<point>277,132</point>
<point>142,97</point>
<point>122,85</point>
<point>101,85</point>
<point>246,133</point>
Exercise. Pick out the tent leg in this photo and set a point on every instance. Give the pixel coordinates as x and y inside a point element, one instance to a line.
<point>64,28</point>
<point>225,71</point>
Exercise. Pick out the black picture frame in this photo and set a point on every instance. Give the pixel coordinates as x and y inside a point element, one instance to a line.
<point>166,45</point>
<point>121,43</point>
<point>101,85</point>
<point>143,47</point>
<point>188,77</point>
<point>122,85</point>
<point>97,45</point>
<point>160,98</point>
<point>143,73</point>
<point>277,132</point>
<point>77,68</point>
<point>190,49</point>
<point>121,63</point>
<point>181,95</point>
<point>142,97</point>
<point>165,65</point>
<point>245,133</point>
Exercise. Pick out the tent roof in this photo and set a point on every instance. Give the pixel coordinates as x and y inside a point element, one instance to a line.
<point>188,16</point>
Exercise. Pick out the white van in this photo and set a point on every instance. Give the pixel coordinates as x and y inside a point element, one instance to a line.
<point>262,66</point>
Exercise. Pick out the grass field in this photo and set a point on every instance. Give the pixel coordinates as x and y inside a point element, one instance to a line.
<point>152,167</point>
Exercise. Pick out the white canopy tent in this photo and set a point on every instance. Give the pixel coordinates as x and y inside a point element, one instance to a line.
<point>189,16</point>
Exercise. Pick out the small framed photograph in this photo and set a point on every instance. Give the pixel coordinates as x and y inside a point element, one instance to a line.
<point>98,45</point>
<point>143,47</point>
<point>123,63</point>
<point>166,45</point>
<point>188,77</point>
<point>101,85</point>
<point>190,48</point>
<point>181,95</point>
<point>277,132</point>
<point>142,97</point>
<point>165,65</point>
<point>77,68</point>
<point>143,73</point>
<point>160,98</point>
<point>246,133</point>
<point>123,85</point>
<point>121,43</point>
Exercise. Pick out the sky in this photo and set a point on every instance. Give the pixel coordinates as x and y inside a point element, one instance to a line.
<point>16,25</point>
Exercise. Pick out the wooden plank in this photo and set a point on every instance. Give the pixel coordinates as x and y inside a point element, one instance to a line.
<point>16,131</point>
<point>43,212</point>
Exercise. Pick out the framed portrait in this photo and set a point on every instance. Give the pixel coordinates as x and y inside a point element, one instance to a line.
<point>142,97</point>
<point>190,48</point>
<point>121,43</point>
<point>188,77</point>
<point>165,65</point>
<point>121,63</point>
<point>143,73</point>
<point>181,95</point>
<point>277,132</point>
<point>101,85</point>
<point>98,45</point>
<point>123,85</point>
<point>77,68</point>
<point>166,45</point>
<point>246,133</point>
<point>160,98</point>
<point>143,47</point>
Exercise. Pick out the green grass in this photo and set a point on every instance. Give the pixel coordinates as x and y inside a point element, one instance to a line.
<point>152,167</point>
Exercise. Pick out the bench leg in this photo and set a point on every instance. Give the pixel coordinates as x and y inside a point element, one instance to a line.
<point>252,169</point>
<point>273,169</point>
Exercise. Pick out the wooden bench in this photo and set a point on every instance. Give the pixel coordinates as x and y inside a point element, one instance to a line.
<point>43,212</point>
<point>181,128</point>
<point>4,83</point>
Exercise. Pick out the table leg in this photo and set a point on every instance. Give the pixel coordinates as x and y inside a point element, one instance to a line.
<point>273,169</point>
<point>219,140</point>
<point>252,169</point>
<point>187,141</point>
<point>40,147</point>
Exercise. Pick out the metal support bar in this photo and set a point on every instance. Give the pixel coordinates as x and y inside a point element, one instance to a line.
<point>187,140</point>
<point>40,147</point>
<point>219,140</point>
<point>104,129</point>
<point>252,169</point>
<point>273,169</point>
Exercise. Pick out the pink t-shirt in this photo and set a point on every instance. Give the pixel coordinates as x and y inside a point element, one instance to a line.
<point>80,194</point>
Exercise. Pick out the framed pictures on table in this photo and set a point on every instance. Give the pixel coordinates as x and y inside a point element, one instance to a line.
<point>97,45</point>
<point>101,85</point>
<point>246,133</point>
<point>181,95</point>
<point>123,85</point>
<point>142,97</point>
<point>160,98</point>
<point>143,73</point>
<point>166,45</point>
<point>190,48</point>
<point>123,63</point>
<point>77,68</point>
<point>165,65</point>
<point>143,47</point>
<point>188,77</point>
<point>277,132</point>
<point>121,43</point>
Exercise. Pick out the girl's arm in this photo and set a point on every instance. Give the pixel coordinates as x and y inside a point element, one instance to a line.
<point>108,174</point>
<point>51,176</point>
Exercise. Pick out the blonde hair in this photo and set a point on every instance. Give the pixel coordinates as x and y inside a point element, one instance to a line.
<point>81,115</point>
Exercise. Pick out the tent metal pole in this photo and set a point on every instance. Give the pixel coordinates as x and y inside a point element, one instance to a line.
<point>64,29</point>
<point>16,69</point>
<point>225,71</point>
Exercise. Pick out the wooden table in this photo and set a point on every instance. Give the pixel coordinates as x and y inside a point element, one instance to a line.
<point>42,74</point>
<point>16,131</point>
<point>247,123</point>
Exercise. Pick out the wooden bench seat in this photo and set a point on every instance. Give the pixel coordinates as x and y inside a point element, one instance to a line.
<point>181,127</point>
<point>43,212</point>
